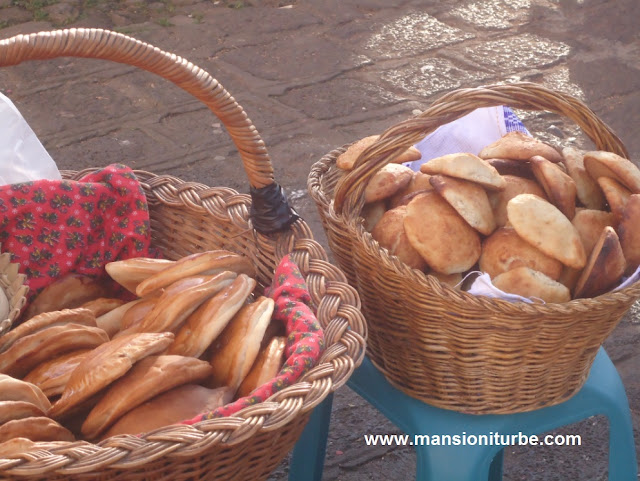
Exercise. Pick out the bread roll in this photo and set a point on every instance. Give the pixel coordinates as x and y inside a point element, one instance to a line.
<point>12,389</point>
<point>629,233</point>
<point>605,266</point>
<point>347,159</point>
<point>440,235</point>
<point>390,234</point>
<point>209,320</point>
<point>131,272</point>
<point>146,379</point>
<point>372,213</point>
<point>590,224</point>
<point>542,225</point>
<point>559,187</point>
<point>180,299</point>
<point>10,410</point>
<point>587,189</point>
<point>467,167</point>
<point>68,292</point>
<point>419,183</point>
<point>617,195</point>
<point>505,250</point>
<point>237,347</point>
<point>518,168</point>
<point>52,375</point>
<point>138,311</point>
<point>386,182</point>
<point>452,280</point>
<point>102,305</point>
<point>29,351</point>
<point>111,322</point>
<point>513,186</point>
<point>608,164</point>
<point>266,366</point>
<point>468,199</point>
<point>178,404</point>
<point>44,320</point>
<point>202,263</point>
<point>36,429</point>
<point>569,278</point>
<point>526,282</point>
<point>519,146</point>
<point>105,364</point>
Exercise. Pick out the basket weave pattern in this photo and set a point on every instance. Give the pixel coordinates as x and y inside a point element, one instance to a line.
<point>449,348</point>
<point>15,289</point>
<point>188,217</point>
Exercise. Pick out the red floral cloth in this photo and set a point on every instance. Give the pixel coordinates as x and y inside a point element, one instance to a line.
<point>54,227</point>
<point>305,338</point>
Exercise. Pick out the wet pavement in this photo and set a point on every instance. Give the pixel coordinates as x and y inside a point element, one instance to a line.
<point>313,76</point>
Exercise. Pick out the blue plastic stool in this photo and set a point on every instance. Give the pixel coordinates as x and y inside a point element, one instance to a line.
<point>603,393</point>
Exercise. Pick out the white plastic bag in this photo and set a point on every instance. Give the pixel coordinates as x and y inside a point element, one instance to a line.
<point>22,156</point>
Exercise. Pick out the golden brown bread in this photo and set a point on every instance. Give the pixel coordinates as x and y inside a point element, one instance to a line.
<point>146,379</point>
<point>12,389</point>
<point>180,299</point>
<point>266,366</point>
<point>102,305</point>
<point>210,319</point>
<point>372,213</point>
<point>468,199</point>
<point>518,168</point>
<point>29,351</point>
<point>452,280</point>
<point>587,189</point>
<point>419,182</point>
<point>629,233</point>
<point>386,182</point>
<point>179,404</point>
<point>440,235</point>
<point>513,186</point>
<point>138,311</point>
<point>36,429</point>
<point>68,292</point>
<point>111,321</point>
<point>605,266</point>
<point>559,187</point>
<point>608,164</point>
<point>10,410</point>
<point>465,166</point>
<point>542,225</point>
<point>202,263</point>
<point>590,224</point>
<point>347,159</point>
<point>569,278</point>
<point>236,348</point>
<point>131,272</point>
<point>617,195</point>
<point>519,146</point>
<point>390,234</point>
<point>105,364</point>
<point>52,375</point>
<point>17,447</point>
<point>505,250</point>
<point>526,282</point>
<point>47,319</point>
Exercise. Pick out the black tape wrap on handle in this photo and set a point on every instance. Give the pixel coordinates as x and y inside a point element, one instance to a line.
<point>270,210</point>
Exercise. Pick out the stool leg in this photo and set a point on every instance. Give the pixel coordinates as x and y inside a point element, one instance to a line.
<point>452,464</point>
<point>495,470</point>
<point>623,465</point>
<point>307,462</point>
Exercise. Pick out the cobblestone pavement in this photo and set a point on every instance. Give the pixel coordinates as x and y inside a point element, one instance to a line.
<point>313,75</point>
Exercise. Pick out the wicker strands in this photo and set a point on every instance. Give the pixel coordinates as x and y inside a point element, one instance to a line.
<point>446,347</point>
<point>13,285</point>
<point>250,444</point>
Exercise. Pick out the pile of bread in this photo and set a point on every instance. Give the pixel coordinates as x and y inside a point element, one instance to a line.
<point>86,366</point>
<point>542,224</point>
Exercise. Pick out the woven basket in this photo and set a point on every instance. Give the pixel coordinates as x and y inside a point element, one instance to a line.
<point>13,285</point>
<point>446,347</point>
<point>187,218</point>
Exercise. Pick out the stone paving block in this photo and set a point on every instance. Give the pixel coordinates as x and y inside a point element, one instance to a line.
<point>494,14</point>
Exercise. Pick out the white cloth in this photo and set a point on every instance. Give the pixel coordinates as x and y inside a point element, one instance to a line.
<point>22,156</point>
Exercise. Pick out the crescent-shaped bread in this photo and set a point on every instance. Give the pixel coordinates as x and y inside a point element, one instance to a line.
<point>617,195</point>
<point>519,146</point>
<point>12,389</point>
<point>465,166</point>
<point>559,187</point>
<point>605,266</point>
<point>526,282</point>
<point>387,181</point>
<point>587,189</point>
<point>131,272</point>
<point>607,164</point>
<point>514,185</point>
<point>390,234</point>
<point>36,429</point>
<point>102,305</point>
<point>52,376</point>
<point>266,366</point>
<point>10,410</point>
<point>105,364</point>
<point>590,223</point>
<point>146,379</point>
<point>629,233</point>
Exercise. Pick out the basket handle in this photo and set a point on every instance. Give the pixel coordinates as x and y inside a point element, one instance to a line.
<point>271,214</point>
<point>457,104</point>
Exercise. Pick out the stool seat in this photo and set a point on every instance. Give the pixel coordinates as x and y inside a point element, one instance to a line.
<point>602,394</point>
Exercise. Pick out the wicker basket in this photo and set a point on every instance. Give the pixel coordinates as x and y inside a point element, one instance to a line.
<point>250,444</point>
<point>13,285</point>
<point>449,348</point>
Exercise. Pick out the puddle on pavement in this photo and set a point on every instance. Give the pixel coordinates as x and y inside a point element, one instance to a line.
<point>519,52</point>
<point>413,34</point>
<point>494,14</point>
<point>431,76</point>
